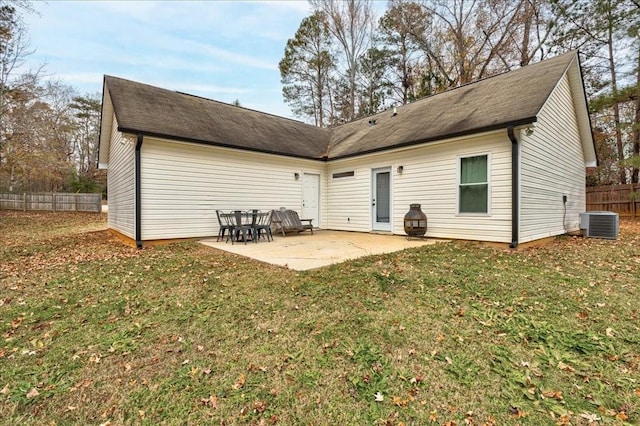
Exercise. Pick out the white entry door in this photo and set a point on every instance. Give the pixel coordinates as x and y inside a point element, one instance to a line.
<point>381,200</point>
<point>311,198</point>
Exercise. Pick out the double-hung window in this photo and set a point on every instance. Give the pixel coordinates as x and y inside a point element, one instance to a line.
<point>473,190</point>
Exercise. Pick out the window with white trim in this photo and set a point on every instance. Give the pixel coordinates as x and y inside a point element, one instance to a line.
<point>473,190</point>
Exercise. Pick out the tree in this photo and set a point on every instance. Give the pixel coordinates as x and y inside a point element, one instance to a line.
<point>599,29</point>
<point>36,156</point>
<point>395,27</point>
<point>305,69</point>
<point>467,40</point>
<point>85,112</point>
<point>351,24</point>
<point>373,82</point>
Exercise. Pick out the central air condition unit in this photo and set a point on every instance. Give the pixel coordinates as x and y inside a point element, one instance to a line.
<point>599,224</point>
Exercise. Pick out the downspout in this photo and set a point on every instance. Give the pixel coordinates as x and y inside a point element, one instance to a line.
<point>515,185</point>
<point>137,193</point>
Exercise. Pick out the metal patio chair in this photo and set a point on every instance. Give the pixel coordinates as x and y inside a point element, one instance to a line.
<point>242,222</point>
<point>262,223</point>
<point>224,225</point>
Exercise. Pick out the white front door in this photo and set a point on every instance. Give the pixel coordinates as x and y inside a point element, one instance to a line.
<point>311,197</point>
<point>381,199</point>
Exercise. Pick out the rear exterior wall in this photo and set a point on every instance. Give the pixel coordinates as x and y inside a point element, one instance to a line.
<point>429,177</point>
<point>183,184</point>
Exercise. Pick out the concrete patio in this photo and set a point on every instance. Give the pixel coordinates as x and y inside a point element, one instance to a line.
<point>305,251</point>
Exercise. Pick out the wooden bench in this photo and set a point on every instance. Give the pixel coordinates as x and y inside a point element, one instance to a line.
<point>289,221</point>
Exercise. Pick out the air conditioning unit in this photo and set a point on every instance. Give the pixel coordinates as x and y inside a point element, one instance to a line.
<point>599,225</point>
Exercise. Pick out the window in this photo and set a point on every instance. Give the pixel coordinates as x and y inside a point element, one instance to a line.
<point>474,185</point>
<point>343,175</point>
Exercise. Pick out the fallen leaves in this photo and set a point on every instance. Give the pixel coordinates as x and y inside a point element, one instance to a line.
<point>546,351</point>
<point>239,384</point>
<point>517,412</point>
<point>211,401</point>
<point>417,379</point>
<point>590,417</point>
<point>553,395</point>
<point>32,393</point>
<point>399,402</point>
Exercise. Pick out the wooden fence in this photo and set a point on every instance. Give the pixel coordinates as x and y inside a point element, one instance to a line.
<point>622,199</point>
<point>57,202</point>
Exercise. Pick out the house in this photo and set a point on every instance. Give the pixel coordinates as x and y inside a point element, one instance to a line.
<point>501,160</point>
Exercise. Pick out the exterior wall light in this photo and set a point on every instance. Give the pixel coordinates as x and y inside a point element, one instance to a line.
<point>529,130</point>
<point>296,175</point>
<point>400,169</point>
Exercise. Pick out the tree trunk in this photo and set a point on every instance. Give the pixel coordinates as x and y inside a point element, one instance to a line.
<point>636,125</point>
<point>616,106</point>
<point>528,17</point>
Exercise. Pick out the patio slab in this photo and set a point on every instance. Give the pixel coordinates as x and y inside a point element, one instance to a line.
<point>305,251</point>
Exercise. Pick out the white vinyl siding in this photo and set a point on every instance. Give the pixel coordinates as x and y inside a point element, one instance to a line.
<point>429,177</point>
<point>349,198</point>
<point>552,165</point>
<point>121,182</point>
<point>182,185</point>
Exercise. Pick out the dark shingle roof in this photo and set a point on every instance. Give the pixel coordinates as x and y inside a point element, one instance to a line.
<point>512,98</point>
<point>150,110</point>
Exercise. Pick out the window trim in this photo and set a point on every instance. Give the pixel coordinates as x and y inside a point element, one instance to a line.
<point>458,184</point>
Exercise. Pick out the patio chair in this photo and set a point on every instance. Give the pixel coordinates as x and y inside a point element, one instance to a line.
<point>262,223</point>
<point>289,221</point>
<point>241,226</point>
<point>224,225</point>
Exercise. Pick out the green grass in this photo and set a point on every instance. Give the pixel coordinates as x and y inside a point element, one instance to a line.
<point>95,332</point>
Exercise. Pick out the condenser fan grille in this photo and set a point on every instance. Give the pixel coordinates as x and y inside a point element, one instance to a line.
<point>599,224</point>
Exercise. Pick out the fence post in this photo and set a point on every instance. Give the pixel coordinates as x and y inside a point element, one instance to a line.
<point>53,201</point>
<point>634,199</point>
<point>24,201</point>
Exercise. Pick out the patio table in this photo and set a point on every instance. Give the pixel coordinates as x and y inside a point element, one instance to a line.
<point>248,225</point>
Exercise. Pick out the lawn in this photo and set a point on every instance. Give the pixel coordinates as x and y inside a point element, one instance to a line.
<point>96,332</point>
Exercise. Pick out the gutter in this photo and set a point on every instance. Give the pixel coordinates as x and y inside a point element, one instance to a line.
<point>326,156</point>
<point>438,138</point>
<point>515,185</point>
<point>137,192</point>
<point>218,144</point>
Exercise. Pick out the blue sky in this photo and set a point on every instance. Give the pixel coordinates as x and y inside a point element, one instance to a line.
<point>219,50</point>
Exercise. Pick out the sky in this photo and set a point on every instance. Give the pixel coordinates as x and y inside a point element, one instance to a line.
<point>216,49</point>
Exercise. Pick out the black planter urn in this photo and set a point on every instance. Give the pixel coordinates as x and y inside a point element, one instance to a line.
<point>415,222</point>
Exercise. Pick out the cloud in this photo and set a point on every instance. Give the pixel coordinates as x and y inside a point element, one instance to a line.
<point>220,50</point>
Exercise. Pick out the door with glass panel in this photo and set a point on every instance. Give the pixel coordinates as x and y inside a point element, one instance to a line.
<point>381,199</point>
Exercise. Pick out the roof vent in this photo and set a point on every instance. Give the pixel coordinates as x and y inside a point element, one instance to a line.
<point>599,225</point>
<point>395,112</point>
<point>372,122</point>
